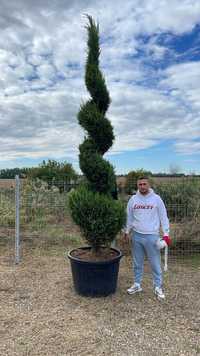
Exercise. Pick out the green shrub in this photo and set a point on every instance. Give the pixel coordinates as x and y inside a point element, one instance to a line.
<point>100,218</point>
<point>182,198</point>
<point>54,173</point>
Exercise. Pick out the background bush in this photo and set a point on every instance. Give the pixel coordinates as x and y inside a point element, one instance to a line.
<point>182,198</point>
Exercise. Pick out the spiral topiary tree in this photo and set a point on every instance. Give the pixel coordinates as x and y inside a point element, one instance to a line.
<point>99,216</point>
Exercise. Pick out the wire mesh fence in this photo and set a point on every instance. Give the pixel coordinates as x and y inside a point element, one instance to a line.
<point>45,222</point>
<point>35,218</point>
<point>7,221</point>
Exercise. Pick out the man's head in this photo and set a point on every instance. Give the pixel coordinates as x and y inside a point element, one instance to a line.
<point>143,185</point>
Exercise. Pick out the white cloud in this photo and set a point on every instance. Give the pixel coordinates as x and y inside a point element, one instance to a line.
<point>42,57</point>
<point>188,147</point>
<point>174,16</point>
<point>184,76</point>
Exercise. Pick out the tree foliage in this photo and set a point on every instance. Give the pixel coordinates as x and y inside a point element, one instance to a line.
<point>92,206</point>
<point>54,173</point>
<point>10,173</point>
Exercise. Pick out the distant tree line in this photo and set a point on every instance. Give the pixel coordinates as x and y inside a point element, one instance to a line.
<point>55,173</point>
<point>10,173</point>
<point>62,174</point>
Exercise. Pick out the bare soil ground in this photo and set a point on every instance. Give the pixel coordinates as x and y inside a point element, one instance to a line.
<point>40,313</point>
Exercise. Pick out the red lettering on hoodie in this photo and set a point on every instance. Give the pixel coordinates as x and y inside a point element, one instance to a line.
<point>140,206</point>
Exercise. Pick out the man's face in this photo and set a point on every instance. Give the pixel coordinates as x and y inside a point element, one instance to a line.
<point>143,186</point>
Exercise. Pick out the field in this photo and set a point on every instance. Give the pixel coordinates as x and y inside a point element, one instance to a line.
<point>42,315</point>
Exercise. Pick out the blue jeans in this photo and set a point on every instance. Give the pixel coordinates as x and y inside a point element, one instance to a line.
<point>146,244</point>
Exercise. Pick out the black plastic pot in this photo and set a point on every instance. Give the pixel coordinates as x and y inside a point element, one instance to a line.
<point>95,279</point>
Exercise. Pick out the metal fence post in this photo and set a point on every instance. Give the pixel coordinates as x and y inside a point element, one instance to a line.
<point>17,216</point>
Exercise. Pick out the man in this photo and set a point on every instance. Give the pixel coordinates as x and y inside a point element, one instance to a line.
<point>146,214</point>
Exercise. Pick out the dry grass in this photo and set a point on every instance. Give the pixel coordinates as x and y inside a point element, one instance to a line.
<point>7,183</point>
<point>41,314</point>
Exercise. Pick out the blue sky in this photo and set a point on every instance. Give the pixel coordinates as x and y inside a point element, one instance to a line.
<point>150,57</point>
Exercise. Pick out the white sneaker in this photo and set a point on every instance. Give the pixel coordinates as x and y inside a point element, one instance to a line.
<point>159,293</point>
<point>135,288</point>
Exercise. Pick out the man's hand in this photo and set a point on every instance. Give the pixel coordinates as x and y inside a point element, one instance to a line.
<point>167,239</point>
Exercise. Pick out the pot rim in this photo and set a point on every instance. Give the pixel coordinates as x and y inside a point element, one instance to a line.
<point>118,257</point>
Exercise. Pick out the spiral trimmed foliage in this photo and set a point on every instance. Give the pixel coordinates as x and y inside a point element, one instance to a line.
<point>99,216</point>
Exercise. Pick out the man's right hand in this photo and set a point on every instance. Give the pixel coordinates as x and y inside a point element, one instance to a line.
<point>167,239</point>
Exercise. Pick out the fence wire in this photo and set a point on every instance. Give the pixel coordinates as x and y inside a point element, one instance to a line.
<point>7,223</point>
<point>45,220</point>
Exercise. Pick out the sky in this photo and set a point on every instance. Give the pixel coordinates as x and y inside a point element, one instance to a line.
<point>150,58</point>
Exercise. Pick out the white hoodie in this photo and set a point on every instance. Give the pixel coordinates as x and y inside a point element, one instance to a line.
<point>146,214</point>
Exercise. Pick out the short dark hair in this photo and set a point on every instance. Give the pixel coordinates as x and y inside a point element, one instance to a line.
<point>143,177</point>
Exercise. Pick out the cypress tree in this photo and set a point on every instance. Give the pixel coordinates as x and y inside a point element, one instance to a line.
<point>92,206</point>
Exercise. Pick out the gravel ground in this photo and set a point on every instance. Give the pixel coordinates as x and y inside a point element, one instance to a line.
<point>41,314</point>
